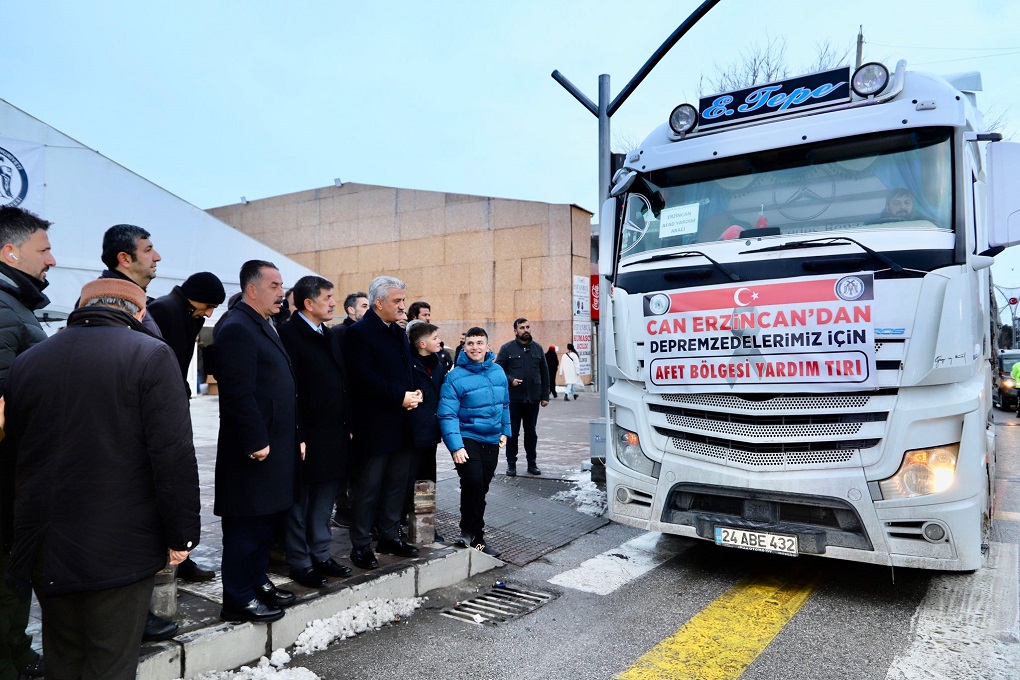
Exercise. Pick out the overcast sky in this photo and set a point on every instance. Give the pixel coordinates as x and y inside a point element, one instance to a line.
<point>214,100</point>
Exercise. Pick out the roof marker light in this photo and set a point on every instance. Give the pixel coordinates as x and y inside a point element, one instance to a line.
<point>870,79</point>
<point>683,119</point>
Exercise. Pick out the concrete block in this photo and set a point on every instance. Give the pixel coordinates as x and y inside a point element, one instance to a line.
<point>473,214</point>
<point>310,260</point>
<point>557,233</point>
<point>378,258</point>
<point>414,200</point>
<point>478,305</point>
<point>508,213</point>
<point>387,586</point>
<point>160,661</point>
<point>421,223</point>
<point>221,647</point>
<point>308,214</point>
<point>483,276</point>
<point>377,229</point>
<point>338,234</point>
<point>557,305</point>
<point>481,563</point>
<point>507,272</point>
<point>376,202</point>
<point>335,261</point>
<point>528,303</point>
<point>285,632</point>
<point>467,247</point>
<point>556,273</point>
<point>531,273</point>
<point>423,252</point>
<point>443,572</point>
<point>517,242</point>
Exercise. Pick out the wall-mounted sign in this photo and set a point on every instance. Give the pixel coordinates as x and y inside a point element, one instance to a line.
<point>775,99</point>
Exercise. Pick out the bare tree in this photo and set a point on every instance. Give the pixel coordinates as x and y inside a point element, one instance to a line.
<point>766,62</point>
<point>999,121</point>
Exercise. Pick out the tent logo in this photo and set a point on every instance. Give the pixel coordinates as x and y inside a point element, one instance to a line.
<point>13,179</point>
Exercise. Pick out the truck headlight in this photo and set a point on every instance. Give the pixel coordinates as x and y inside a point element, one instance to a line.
<point>1008,383</point>
<point>922,472</point>
<point>628,452</point>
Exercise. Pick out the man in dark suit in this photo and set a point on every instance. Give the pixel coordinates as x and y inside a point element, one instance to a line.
<point>257,451</point>
<point>323,406</point>
<point>378,360</point>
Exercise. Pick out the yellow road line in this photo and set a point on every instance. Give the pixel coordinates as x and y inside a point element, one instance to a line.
<point>728,635</point>
<point>1011,516</point>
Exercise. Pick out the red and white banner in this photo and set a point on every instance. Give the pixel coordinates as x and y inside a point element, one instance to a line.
<point>801,335</point>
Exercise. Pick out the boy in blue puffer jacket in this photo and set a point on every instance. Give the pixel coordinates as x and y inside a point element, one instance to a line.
<point>474,418</point>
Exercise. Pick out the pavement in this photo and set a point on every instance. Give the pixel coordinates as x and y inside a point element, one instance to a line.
<point>523,521</point>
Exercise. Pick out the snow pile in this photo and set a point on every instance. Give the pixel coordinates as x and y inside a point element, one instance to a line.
<point>266,669</point>
<point>586,496</point>
<point>364,616</point>
<point>318,634</point>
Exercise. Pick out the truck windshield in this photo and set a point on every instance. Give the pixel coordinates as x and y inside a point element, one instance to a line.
<point>900,180</point>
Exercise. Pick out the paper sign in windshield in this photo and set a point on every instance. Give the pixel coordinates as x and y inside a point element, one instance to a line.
<point>799,336</point>
<point>679,220</point>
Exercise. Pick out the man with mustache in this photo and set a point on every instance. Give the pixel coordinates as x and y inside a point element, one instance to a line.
<point>257,453</point>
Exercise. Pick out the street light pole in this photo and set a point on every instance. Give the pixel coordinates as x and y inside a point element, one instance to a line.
<point>604,111</point>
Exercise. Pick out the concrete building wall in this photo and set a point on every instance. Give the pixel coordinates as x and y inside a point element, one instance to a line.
<point>476,260</point>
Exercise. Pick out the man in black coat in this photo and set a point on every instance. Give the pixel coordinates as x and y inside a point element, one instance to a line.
<point>323,406</point>
<point>524,363</point>
<point>257,450</point>
<point>378,360</point>
<point>106,479</point>
<point>129,255</point>
<point>181,314</point>
<point>429,372</point>
<point>25,257</point>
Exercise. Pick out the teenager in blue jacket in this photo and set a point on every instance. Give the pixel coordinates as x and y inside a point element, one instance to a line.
<point>474,418</point>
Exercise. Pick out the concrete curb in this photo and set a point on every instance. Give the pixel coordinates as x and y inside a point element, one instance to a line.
<point>225,646</point>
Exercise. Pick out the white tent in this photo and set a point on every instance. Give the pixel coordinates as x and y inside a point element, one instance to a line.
<point>84,193</point>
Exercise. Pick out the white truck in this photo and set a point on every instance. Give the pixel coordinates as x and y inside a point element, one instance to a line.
<point>797,321</point>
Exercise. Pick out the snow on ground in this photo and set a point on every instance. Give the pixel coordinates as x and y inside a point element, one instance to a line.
<point>317,635</point>
<point>586,496</point>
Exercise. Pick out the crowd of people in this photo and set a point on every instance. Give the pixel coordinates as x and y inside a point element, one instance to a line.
<point>321,425</point>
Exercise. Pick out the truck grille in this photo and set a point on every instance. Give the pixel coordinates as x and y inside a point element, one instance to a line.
<point>772,431</point>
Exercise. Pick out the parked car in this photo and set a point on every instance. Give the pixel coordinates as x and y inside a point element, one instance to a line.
<point>1003,385</point>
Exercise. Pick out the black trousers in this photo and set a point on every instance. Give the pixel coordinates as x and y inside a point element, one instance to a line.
<point>246,545</point>
<point>475,474</point>
<point>16,650</point>
<point>378,488</point>
<point>95,635</point>
<point>526,414</point>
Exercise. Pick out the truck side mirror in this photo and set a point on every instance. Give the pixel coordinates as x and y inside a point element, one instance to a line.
<point>607,237</point>
<point>1003,173</point>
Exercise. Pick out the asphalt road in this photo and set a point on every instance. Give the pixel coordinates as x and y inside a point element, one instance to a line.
<point>846,620</point>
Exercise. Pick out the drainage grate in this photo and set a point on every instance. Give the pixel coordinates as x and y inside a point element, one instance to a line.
<point>499,605</point>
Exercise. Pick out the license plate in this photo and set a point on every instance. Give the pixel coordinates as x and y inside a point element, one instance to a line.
<point>756,540</point>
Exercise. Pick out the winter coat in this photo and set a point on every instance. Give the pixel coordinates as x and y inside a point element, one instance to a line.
<point>106,473</point>
<point>172,313</point>
<point>424,423</point>
<point>258,404</point>
<point>474,403</point>
<point>552,362</point>
<point>570,369</point>
<point>526,362</point>
<point>323,400</point>
<point>378,359</point>
<point>20,294</point>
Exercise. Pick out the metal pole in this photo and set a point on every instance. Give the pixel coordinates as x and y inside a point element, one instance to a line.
<point>605,167</point>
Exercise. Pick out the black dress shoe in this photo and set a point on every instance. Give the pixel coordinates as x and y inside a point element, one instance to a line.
<point>189,571</point>
<point>364,558</point>
<point>331,568</point>
<point>273,596</point>
<point>157,629</point>
<point>511,471</point>
<point>254,611</point>
<point>533,470</point>
<point>396,547</point>
<point>309,577</point>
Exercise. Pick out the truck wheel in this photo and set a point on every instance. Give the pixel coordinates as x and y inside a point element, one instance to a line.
<point>598,473</point>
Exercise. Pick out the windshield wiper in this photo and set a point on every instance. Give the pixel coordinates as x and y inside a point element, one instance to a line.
<point>694,253</point>
<point>831,241</point>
